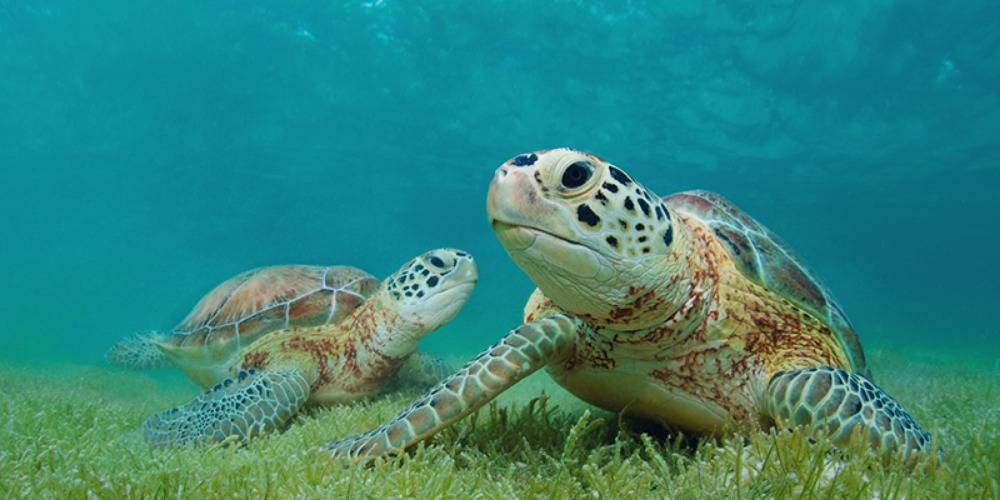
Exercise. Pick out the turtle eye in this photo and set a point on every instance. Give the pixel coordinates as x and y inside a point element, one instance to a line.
<point>577,174</point>
<point>437,262</point>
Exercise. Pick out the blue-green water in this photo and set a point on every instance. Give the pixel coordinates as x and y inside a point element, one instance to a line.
<point>150,150</point>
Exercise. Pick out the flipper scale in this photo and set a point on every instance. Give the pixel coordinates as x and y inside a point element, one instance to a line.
<point>843,403</point>
<point>252,403</point>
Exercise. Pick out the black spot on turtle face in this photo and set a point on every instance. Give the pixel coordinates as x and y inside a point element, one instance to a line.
<point>659,213</point>
<point>601,198</point>
<point>524,160</point>
<point>610,187</point>
<point>644,206</point>
<point>623,224</point>
<point>612,241</point>
<point>629,205</point>
<point>587,216</point>
<point>620,176</point>
<point>432,281</point>
<point>642,239</point>
<point>668,236</point>
<point>640,226</point>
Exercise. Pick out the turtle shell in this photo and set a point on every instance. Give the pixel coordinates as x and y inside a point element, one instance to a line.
<point>252,304</point>
<point>766,260</point>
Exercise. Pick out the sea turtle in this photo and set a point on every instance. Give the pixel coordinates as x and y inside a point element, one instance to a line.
<point>681,310</point>
<point>268,341</point>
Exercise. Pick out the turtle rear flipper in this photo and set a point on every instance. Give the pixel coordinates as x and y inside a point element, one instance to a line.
<point>519,354</point>
<point>252,403</point>
<point>139,352</point>
<point>841,403</point>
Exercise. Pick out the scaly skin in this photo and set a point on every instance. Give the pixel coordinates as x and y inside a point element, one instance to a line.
<point>657,317</point>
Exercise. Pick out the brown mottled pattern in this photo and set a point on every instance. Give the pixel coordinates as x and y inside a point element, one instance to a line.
<point>727,335</point>
<point>342,354</point>
<point>378,366</point>
<point>762,257</point>
<point>255,360</point>
<point>319,348</point>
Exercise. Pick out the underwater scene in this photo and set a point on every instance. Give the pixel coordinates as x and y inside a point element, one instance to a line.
<point>499,249</point>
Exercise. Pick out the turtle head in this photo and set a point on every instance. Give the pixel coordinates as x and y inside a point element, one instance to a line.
<point>429,290</point>
<point>592,238</point>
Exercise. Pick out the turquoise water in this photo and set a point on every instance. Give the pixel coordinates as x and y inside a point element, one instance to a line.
<point>150,150</point>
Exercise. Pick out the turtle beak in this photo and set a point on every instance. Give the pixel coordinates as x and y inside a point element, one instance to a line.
<point>466,273</point>
<point>515,199</point>
<point>510,188</point>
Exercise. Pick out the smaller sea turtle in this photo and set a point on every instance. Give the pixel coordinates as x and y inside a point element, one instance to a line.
<point>274,339</point>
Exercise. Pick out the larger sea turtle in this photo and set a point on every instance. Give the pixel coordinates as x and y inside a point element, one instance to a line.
<point>681,310</point>
<point>268,341</point>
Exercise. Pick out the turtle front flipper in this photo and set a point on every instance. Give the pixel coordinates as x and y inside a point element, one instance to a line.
<point>138,352</point>
<point>424,370</point>
<point>252,403</point>
<point>519,354</point>
<point>841,403</point>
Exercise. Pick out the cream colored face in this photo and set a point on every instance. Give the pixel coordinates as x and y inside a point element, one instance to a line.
<point>429,290</point>
<point>586,232</point>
